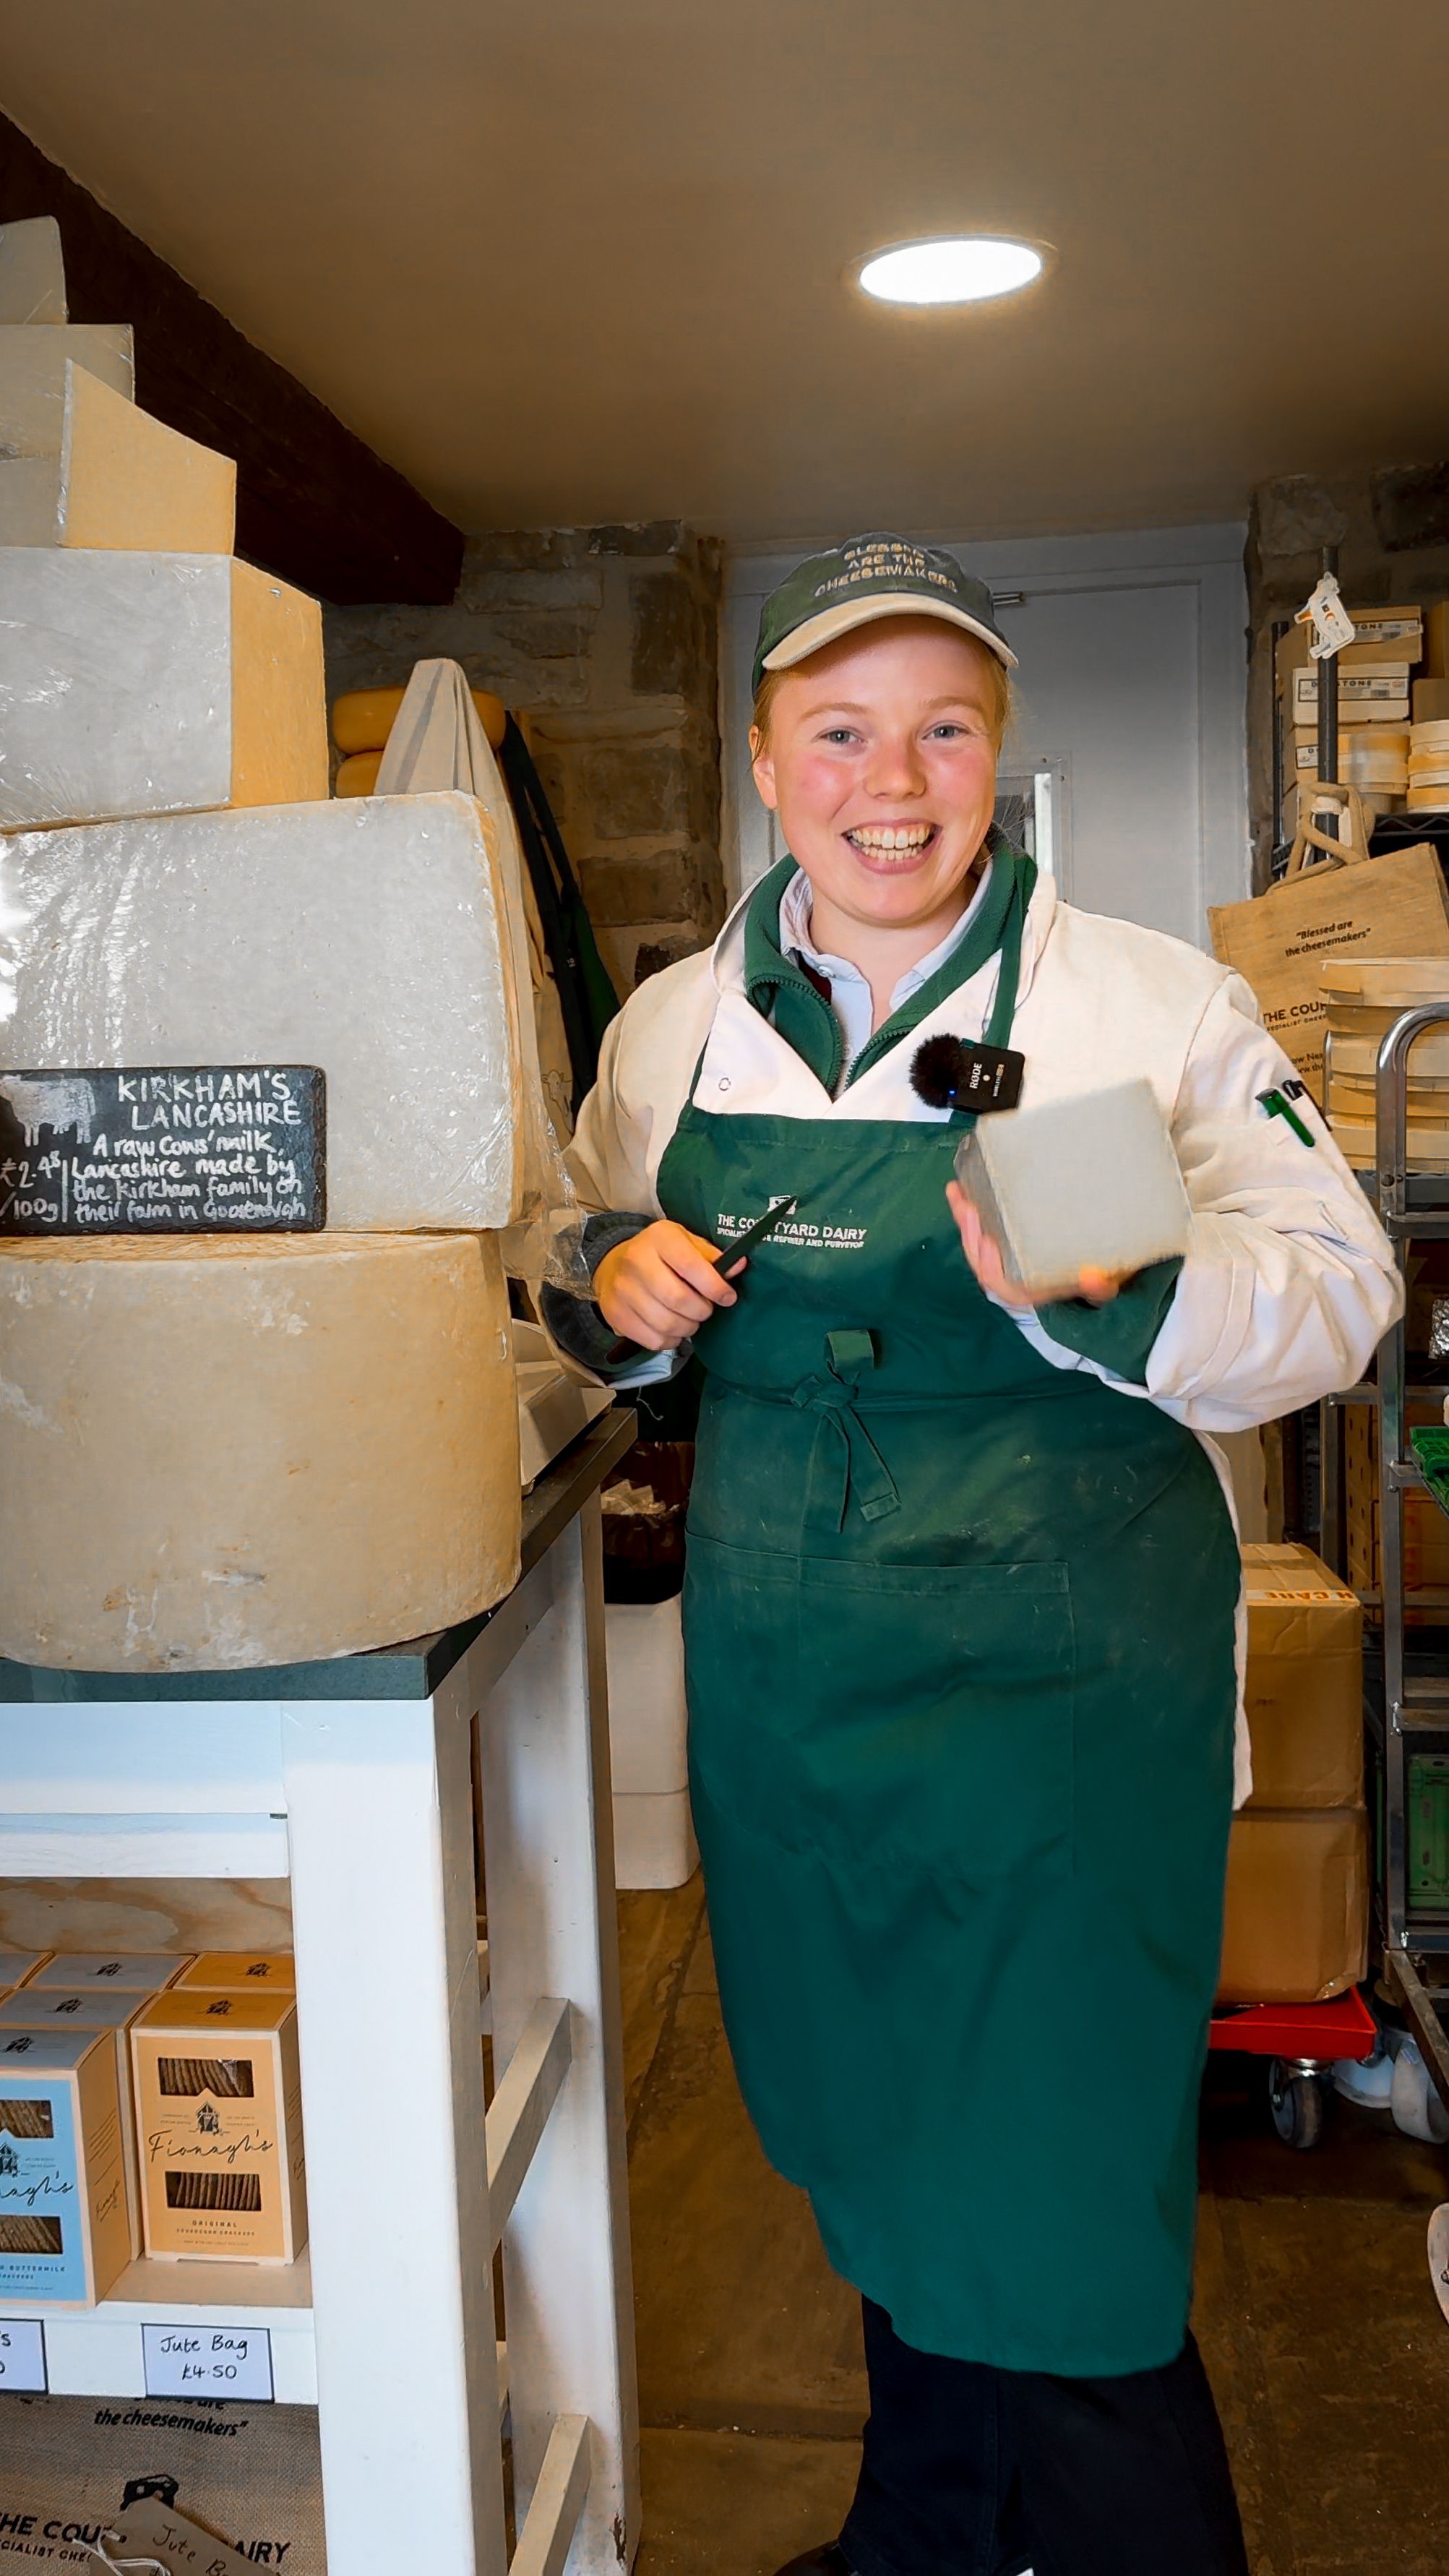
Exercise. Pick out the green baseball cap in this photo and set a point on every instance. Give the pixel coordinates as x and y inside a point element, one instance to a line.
<point>870,577</point>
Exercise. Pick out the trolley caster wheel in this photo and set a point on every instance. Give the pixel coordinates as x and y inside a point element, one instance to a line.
<point>1295,2105</point>
<point>1417,2109</point>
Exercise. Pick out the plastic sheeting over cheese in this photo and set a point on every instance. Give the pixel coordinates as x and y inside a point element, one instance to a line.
<point>32,271</point>
<point>33,361</point>
<point>153,684</point>
<point>367,938</point>
<point>246,1452</point>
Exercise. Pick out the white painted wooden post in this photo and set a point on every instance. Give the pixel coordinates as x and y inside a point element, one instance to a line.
<point>548,1846</point>
<point>384,1915</point>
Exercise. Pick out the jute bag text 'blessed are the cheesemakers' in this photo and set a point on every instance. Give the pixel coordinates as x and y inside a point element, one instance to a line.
<point>1391,906</point>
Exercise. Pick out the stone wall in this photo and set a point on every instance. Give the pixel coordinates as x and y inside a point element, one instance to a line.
<point>607,641</point>
<point>1391,527</point>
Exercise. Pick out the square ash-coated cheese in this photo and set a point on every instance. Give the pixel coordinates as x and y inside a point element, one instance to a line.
<point>136,684</point>
<point>251,1450</point>
<point>1085,1183</point>
<point>368,938</point>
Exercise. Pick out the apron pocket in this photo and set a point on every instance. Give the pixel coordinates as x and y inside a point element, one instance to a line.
<point>917,1716</point>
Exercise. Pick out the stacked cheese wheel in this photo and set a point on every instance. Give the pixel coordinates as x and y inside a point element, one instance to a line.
<point>363,719</point>
<point>225,1448</point>
<point>1365,996</point>
<point>1375,759</point>
<point>1428,767</point>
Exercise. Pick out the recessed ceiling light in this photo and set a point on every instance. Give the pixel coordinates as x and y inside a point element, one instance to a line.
<point>961,271</point>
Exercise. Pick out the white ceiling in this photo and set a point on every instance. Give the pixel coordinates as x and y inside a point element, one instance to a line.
<point>580,260</point>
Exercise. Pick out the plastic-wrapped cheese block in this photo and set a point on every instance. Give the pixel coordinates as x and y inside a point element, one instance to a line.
<point>32,272</point>
<point>367,938</point>
<point>235,1452</point>
<point>154,684</point>
<point>33,361</point>
<point>118,478</point>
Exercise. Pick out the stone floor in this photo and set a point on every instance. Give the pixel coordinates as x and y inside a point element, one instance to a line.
<point>1327,2351</point>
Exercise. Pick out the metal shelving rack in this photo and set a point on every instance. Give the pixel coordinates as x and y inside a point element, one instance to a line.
<point>1414,1716</point>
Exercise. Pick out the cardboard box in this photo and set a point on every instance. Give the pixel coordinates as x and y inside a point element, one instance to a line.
<point>1436,641</point>
<point>1380,635</point>
<point>1305,1680</point>
<point>1296,1924</point>
<point>1431,701</point>
<point>239,1972</point>
<point>1369,692</point>
<point>219,2111</point>
<point>51,2008</point>
<point>80,1972</point>
<point>1391,906</point>
<point>65,2231</point>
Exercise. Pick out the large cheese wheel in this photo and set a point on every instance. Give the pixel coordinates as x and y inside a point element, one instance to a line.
<point>376,943</point>
<point>251,1450</point>
<point>357,775</point>
<point>362,719</point>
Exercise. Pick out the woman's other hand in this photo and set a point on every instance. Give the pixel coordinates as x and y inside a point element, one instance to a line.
<point>657,1288</point>
<point>1098,1287</point>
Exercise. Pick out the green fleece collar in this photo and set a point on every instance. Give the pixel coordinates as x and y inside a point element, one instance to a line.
<point>781,991</point>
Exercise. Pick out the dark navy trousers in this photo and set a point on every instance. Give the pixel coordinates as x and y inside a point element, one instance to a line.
<point>971,2471</point>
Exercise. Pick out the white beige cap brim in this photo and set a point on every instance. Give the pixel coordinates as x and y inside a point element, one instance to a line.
<point>848,614</point>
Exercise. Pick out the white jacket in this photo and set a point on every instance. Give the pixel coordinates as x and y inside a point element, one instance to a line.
<point>1289,1282</point>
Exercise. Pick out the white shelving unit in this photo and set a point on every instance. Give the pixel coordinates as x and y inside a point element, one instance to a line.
<point>357,1781</point>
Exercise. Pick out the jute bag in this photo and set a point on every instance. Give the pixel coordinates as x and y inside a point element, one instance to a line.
<point>1333,897</point>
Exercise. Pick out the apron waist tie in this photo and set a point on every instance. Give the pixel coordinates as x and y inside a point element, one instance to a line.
<point>864,1477</point>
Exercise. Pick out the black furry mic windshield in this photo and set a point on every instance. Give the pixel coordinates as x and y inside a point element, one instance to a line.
<point>941,1072</point>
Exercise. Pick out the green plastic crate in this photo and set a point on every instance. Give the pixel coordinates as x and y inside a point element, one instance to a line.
<point>1429,1832</point>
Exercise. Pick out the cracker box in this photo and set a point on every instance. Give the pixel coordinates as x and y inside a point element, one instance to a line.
<point>240,1972</point>
<point>18,1966</point>
<point>46,2008</point>
<point>65,2230</point>
<point>79,1972</point>
<point>219,2120</point>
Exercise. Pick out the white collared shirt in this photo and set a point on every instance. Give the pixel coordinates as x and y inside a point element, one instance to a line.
<point>850,994</point>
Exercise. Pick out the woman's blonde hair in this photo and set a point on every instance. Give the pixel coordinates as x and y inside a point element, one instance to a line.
<point>1000,708</point>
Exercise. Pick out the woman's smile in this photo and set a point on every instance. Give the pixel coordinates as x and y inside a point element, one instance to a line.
<point>892,847</point>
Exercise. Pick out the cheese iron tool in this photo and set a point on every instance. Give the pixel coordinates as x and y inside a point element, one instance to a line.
<point>755,1234</point>
<point>729,1254</point>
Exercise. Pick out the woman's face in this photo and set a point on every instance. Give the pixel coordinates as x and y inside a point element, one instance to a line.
<point>881,764</point>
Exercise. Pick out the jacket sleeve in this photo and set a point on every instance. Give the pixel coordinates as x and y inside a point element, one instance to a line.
<point>1289,1282</point>
<point>608,1162</point>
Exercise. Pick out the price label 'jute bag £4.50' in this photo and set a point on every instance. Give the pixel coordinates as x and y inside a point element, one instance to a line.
<point>1392,906</point>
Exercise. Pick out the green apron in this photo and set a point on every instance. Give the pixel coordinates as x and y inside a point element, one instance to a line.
<point>959,1646</point>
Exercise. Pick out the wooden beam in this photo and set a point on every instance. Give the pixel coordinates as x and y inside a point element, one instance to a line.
<point>558,2500</point>
<point>313,502</point>
<point>518,2112</point>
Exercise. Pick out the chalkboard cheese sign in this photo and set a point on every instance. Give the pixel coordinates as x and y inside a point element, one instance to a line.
<point>163,1149</point>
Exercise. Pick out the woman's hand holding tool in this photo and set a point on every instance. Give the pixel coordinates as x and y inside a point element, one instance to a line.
<point>657,1288</point>
<point>1098,1287</point>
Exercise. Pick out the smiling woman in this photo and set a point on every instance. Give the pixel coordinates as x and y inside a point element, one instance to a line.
<point>879,755</point>
<point>962,1582</point>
